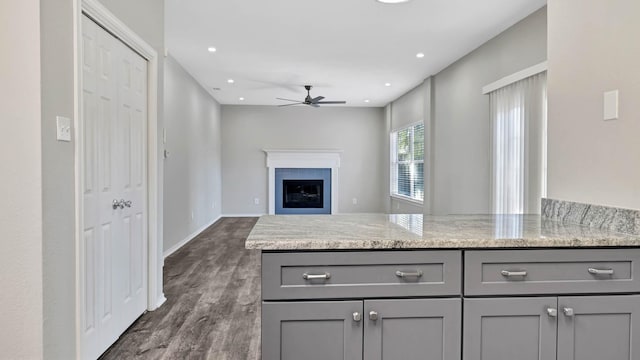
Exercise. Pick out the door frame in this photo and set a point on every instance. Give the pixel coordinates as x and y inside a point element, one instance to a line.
<point>155,260</point>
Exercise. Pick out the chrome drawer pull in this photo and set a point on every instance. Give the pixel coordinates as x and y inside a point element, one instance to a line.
<point>600,271</point>
<point>552,312</point>
<point>308,276</point>
<point>568,311</point>
<point>404,274</point>
<point>508,273</point>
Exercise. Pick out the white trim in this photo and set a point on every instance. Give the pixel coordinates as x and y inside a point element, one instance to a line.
<point>102,16</point>
<point>520,75</point>
<point>303,159</point>
<point>241,215</point>
<point>190,237</point>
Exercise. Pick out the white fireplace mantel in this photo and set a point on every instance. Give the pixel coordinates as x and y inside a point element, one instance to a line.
<point>300,159</point>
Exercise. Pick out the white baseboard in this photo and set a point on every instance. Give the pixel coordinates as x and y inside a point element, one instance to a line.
<point>159,303</point>
<point>241,215</point>
<point>184,242</point>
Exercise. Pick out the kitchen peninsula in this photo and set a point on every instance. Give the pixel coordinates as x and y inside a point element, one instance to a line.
<point>373,286</point>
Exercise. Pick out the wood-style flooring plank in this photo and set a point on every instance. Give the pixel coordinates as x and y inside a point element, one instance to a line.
<point>212,311</point>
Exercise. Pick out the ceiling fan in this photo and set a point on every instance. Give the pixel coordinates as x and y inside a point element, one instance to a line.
<point>315,102</point>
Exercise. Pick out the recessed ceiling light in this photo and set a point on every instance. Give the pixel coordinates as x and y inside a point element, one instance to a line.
<point>212,49</point>
<point>393,1</point>
<point>420,55</point>
<point>366,100</point>
<point>387,84</point>
<point>241,99</point>
<point>230,81</point>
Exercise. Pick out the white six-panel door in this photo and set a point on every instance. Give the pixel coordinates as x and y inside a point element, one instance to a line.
<point>114,245</point>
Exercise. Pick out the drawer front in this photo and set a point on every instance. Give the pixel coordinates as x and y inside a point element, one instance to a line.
<point>514,272</point>
<point>331,275</point>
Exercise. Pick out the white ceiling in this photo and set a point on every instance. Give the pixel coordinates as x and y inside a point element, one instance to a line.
<point>347,49</point>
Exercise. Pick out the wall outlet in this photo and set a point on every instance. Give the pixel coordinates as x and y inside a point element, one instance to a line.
<point>354,201</point>
<point>256,201</point>
<point>63,128</point>
<point>610,105</point>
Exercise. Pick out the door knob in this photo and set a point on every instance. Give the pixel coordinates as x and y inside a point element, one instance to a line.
<point>117,204</point>
<point>373,315</point>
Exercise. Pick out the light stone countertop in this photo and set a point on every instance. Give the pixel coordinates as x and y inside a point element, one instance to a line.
<point>380,231</point>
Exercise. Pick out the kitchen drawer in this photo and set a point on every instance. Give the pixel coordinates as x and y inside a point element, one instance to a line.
<point>514,272</point>
<point>332,275</point>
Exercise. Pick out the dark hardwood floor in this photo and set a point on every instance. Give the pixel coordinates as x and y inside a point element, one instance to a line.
<point>212,311</point>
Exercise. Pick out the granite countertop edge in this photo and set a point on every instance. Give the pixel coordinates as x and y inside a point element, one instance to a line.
<point>440,244</point>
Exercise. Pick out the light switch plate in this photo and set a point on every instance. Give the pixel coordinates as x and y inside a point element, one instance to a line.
<point>63,132</point>
<point>610,105</point>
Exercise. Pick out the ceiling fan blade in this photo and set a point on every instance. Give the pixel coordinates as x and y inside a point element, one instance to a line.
<point>298,103</point>
<point>314,105</point>
<point>316,99</point>
<point>288,99</point>
<point>331,102</point>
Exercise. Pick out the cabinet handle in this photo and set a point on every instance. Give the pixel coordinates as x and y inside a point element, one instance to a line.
<point>373,315</point>
<point>568,311</point>
<point>552,312</point>
<point>357,316</point>
<point>324,276</point>
<point>508,273</point>
<point>405,274</point>
<point>600,271</point>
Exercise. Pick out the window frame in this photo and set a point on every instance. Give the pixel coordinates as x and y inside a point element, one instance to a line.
<point>394,162</point>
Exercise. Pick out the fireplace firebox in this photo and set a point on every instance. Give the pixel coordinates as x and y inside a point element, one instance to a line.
<point>303,194</point>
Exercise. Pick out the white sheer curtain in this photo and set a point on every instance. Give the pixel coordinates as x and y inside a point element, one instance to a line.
<point>519,122</point>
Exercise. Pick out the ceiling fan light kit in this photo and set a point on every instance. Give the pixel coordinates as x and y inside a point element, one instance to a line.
<point>314,102</point>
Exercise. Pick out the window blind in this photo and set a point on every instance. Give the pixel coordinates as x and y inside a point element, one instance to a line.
<point>518,121</point>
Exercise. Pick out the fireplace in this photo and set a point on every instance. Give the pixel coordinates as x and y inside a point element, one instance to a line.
<point>302,194</point>
<point>303,165</point>
<point>303,191</point>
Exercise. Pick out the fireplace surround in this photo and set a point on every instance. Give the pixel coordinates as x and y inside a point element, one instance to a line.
<point>303,159</point>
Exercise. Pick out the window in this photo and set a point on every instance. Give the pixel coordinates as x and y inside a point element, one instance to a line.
<point>407,162</point>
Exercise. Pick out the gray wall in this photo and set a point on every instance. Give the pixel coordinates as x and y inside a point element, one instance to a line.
<point>192,174</point>
<point>58,256</point>
<point>461,127</point>
<point>359,132</point>
<point>21,189</point>
<point>593,49</point>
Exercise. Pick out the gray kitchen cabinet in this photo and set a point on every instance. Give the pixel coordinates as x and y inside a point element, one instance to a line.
<point>312,330</point>
<point>599,327</point>
<point>510,328</point>
<point>420,329</point>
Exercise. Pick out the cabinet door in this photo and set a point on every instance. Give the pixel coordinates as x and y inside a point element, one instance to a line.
<point>599,327</point>
<point>323,330</point>
<point>423,329</point>
<point>510,328</point>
